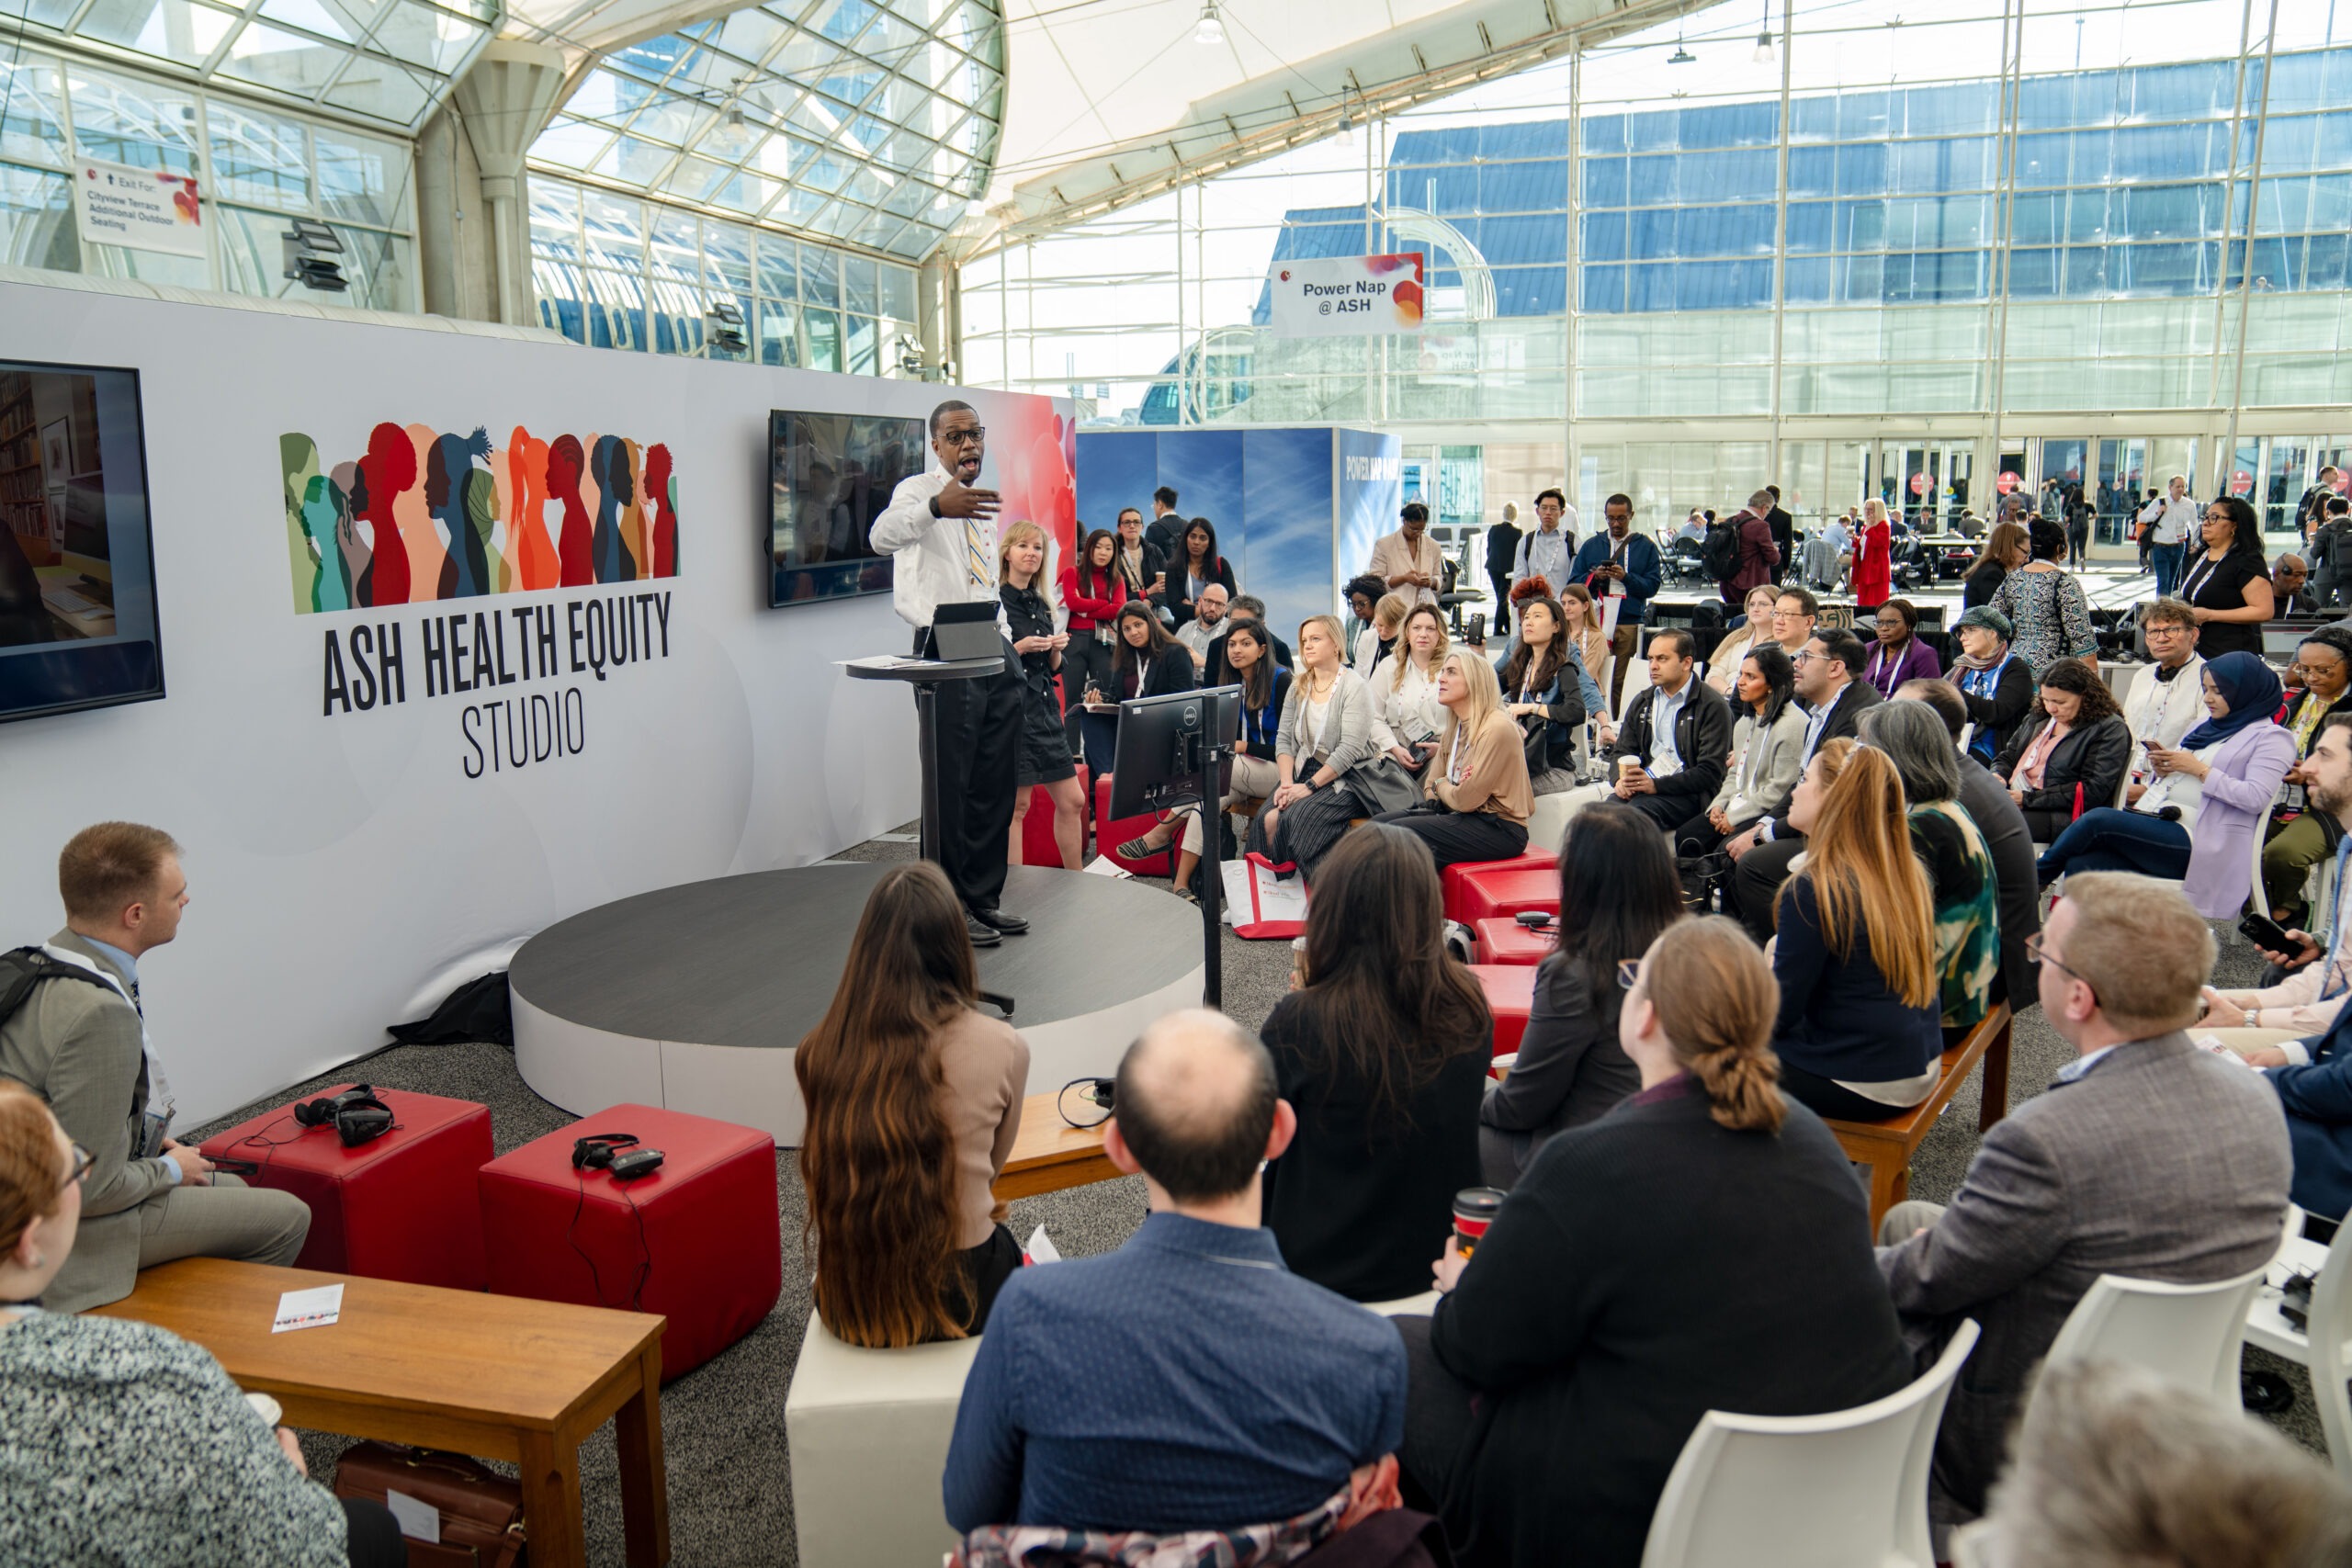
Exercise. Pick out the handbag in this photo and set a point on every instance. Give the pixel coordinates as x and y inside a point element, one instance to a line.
<point>1383,787</point>
<point>480,1512</point>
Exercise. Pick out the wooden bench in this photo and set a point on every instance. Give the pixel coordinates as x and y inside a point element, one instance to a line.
<point>1048,1154</point>
<point>1887,1146</point>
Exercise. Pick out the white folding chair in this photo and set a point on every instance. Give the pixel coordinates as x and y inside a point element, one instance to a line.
<point>2189,1333</point>
<point>2328,1356</point>
<point>1846,1490</point>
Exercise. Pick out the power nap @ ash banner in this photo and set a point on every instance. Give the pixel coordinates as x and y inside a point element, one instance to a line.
<point>1347,297</point>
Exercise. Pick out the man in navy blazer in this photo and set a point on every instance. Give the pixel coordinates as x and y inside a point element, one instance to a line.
<point>2317,1097</point>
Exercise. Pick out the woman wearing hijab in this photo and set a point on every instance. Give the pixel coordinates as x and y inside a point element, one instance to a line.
<point>2211,793</point>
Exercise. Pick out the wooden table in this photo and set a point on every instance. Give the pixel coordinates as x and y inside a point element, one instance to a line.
<point>501,1377</point>
<point>1048,1154</point>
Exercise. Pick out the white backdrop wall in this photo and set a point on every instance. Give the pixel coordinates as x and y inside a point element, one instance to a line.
<point>344,871</point>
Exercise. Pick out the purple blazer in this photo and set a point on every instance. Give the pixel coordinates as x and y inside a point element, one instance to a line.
<point>1917,662</point>
<point>2232,803</point>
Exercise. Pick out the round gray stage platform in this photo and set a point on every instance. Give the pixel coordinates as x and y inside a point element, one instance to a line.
<point>695,998</point>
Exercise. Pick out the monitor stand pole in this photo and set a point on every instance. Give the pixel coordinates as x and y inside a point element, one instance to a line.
<point>1212,810</point>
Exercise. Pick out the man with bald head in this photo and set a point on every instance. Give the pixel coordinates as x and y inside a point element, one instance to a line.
<point>1206,625</point>
<point>1188,1381</point>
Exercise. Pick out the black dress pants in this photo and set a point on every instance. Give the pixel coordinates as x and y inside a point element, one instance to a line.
<point>1456,836</point>
<point>1499,624</point>
<point>981,1272</point>
<point>375,1538</point>
<point>977,744</point>
<point>1756,883</point>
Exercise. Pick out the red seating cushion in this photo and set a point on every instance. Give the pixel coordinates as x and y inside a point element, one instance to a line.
<point>1499,893</point>
<point>701,1233</point>
<point>1510,995</point>
<point>1037,846</point>
<point>1454,876</point>
<point>401,1207</point>
<point>1505,941</point>
<point>1110,835</point>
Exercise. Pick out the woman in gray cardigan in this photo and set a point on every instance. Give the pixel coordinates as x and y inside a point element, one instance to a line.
<point>1767,752</point>
<point>1332,769</point>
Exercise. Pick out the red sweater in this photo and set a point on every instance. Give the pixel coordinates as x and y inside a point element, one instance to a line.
<point>1086,613</point>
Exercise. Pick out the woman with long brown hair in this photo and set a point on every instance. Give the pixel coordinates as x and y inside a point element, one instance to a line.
<point>1383,1051</point>
<point>1704,1246</point>
<point>913,1100</point>
<point>2006,547</point>
<point>1862,1010</point>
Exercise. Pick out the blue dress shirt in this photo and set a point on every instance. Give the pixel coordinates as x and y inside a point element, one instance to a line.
<point>1188,1381</point>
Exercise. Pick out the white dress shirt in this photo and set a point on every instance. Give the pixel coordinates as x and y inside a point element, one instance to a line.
<point>2175,517</point>
<point>929,552</point>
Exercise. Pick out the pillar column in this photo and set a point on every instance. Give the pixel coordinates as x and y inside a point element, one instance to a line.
<point>505,101</point>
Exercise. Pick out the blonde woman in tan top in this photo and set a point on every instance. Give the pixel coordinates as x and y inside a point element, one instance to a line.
<point>913,1098</point>
<point>1476,794</point>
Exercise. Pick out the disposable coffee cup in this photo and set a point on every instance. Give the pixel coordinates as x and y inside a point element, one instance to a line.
<point>1474,1209</point>
<point>1626,766</point>
<point>268,1409</point>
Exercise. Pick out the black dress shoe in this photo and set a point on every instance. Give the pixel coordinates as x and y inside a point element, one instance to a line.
<point>1011,925</point>
<point>982,936</point>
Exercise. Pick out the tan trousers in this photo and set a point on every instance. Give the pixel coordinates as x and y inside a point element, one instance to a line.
<point>1254,778</point>
<point>227,1219</point>
<point>2245,1042</point>
<point>1906,1218</point>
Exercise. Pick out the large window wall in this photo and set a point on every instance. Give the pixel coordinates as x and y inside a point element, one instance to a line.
<point>1978,220</point>
<point>616,272</point>
<point>257,168</point>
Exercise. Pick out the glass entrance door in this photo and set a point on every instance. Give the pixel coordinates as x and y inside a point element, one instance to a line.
<point>1925,482</point>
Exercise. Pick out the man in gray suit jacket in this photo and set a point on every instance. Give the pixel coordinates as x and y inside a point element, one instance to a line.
<point>81,1044</point>
<point>2148,1157</point>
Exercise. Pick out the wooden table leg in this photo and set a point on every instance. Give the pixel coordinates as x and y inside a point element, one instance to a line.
<point>1995,1101</point>
<point>645,1487</point>
<point>551,1501</point>
<point>1889,1175</point>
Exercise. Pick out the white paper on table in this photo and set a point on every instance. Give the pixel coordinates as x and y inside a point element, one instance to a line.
<point>1041,1247</point>
<point>418,1520</point>
<point>313,1308</point>
<point>1103,866</point>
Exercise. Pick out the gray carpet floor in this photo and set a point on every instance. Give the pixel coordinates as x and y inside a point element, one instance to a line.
<point>730,1493</point>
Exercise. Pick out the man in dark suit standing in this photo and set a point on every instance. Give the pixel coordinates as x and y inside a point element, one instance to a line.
<point>2148,1157</point>
<point>1502,549</point>
<point>1785,534</point>
<point>1830,685</point>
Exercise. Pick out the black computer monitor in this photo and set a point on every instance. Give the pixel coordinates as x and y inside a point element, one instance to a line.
<point>1159,755</point>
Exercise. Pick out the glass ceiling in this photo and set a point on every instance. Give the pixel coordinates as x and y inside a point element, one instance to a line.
<point>869,123</point>
<point>390,60</point>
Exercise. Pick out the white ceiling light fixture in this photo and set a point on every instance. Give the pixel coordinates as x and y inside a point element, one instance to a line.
<point>1211,30</point>
<point>1680,56</point>
<point>1763,55</point>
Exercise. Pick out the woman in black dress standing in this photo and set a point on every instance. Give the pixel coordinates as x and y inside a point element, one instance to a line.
<point>2228,586</point>
<point>1043,757</point>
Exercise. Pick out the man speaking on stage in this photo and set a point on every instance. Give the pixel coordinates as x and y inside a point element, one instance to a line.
<point>941,530</point>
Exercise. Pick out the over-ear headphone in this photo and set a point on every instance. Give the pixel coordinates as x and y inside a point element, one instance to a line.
<point>595,1151</point>
<point>357,1115</point>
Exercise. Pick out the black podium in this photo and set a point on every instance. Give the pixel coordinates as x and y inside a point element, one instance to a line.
<point>925,675</point>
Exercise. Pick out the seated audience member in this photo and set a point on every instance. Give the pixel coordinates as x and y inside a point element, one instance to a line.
<point>2149,1159</point>
<point>1404,689</point>
<point>1859,1030</point>
<point>1899,655</point>
<point>2314,1078</point>
<point>2161,707</point>
<point>1617,893</point>
<point>1671,750</point>
<point>1146,662</point>
<point>1475,798</point>
<point>1247,607</point>
<point>2016,888</point>
<point>1545,684</point>
<point>914,1098</point>
<point>1700,1247</point>
<point>1192,567</point>
<point>1205,624</point>
<point>1992,678</point>
<point>125,1443</point>
<point>2211,794</point>
<point>1329,771</point>
<point>1265,687</point>
<point>2288,594</point>
<point>2116,1466</point>
<point>1830,685</point>
<point>2071,759</point>
<point>2270,1023</point>
<point>1797,615</point>
<point>2324,662</point>
<point>80,1043</point>
<point>1764,748</point>
<point>1753,631</point>
<point>1962,882</point>
<point>1381,1051</point>
<point>1187,1380</point>
<point>1376,641</point>
<point>1585,635</point>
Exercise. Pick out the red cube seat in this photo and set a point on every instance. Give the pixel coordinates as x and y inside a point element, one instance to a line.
<point>1510,996</point>
<point>697,1241</point>
<point>1453,879</point>
<point>1505,941</point>
<point>1501,892</point>
<point>1109,835</point>
<point>402,1206</point>
<point>1037,846</point>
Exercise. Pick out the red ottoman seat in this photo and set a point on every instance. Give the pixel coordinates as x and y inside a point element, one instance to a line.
<point>1037,846</point>
<point>1110,835</point>
<point>1454,877</point>
<point>1505,941</point>
<point>1500,893</point>
<point>697,1241</point>
<point>1510,995</point>
<point>400,1207</point>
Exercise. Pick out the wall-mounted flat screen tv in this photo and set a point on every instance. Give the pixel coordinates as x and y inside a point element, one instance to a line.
<point>77,564</point>
<point>830,475</point>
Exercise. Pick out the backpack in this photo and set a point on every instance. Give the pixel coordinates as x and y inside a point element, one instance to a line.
<point>1720,554</point>
<point>2339,547</point>
<point>22,968</point>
